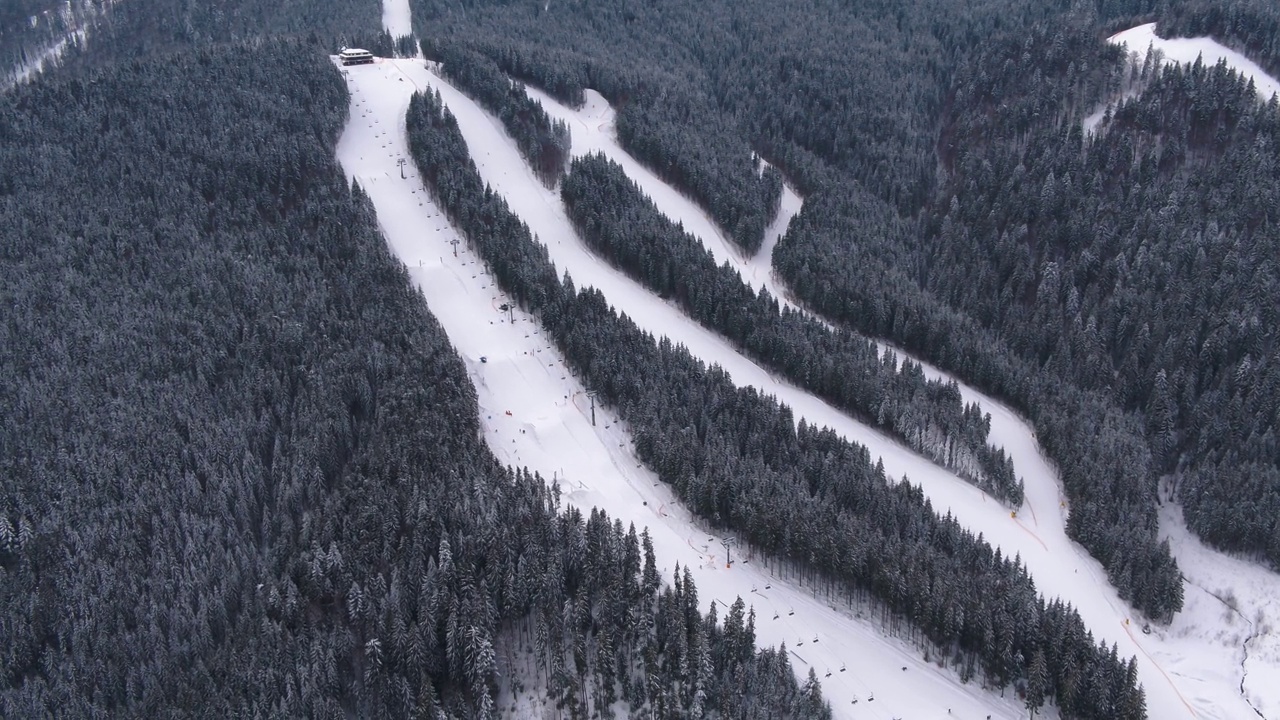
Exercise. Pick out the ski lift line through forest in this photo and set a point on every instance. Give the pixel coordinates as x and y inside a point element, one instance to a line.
<point>829,650</point>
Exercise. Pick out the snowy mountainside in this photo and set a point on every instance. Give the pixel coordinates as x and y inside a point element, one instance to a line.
<point>71,23</point>
<point>548,429</point>
<point>1184,674</point>
<point>1191,670</point>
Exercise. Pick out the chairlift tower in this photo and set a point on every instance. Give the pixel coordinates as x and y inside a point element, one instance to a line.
<point>728,543</point>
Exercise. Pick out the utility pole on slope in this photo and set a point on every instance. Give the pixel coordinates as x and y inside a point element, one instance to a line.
<point>401,162</point>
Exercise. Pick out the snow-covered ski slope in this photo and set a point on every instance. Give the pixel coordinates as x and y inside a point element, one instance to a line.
<point>535,414</point>
<point>1191,669</point>
<point>396,18</point>
<point>1186,50</point>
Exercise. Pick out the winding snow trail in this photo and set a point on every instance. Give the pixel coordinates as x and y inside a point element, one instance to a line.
<point>1183,50</point>
<point>593,130</point>
<point>535,414</point>
<point>1187,50</point>
<point>1192,668</point>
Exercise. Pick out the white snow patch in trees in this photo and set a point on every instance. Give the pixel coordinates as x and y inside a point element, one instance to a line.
<point>34,66</point>
<point>549,429</point>
<point>1186,50</point>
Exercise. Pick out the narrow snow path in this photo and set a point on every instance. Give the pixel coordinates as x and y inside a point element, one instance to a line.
<point>1189,671</point>
<point>759,269</point>
<point>548,427</point>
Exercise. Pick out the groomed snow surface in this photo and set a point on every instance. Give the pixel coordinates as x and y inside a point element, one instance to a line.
<point>1191,669</point>
<point>1186,50</point>
<point>593,131</point>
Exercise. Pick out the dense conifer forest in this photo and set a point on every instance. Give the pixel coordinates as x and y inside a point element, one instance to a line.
<point>243,471</point>
<point>620,223</point>
<point>801,494</point>
<point>907,127</point>
<point>545,143</point>
<point>242,466</point>
<point>1137,263</point>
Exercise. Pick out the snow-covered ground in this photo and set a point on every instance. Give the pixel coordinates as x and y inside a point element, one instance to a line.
<point>396,18</point>
<point>1230,602</point>
<point>534,412</point>
<point>759,269</point>
<point>1186,50</point>
<point>1191,669</point>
